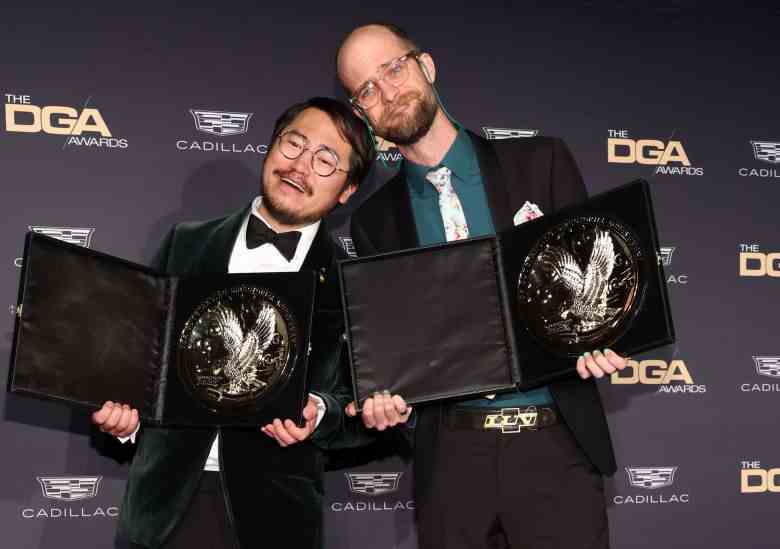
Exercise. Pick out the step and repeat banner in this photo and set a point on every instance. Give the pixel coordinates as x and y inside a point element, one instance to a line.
<point>116,125</point>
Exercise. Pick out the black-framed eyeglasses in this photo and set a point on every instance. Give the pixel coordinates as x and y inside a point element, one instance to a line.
<point>324,161</point>
<point>394,72</point>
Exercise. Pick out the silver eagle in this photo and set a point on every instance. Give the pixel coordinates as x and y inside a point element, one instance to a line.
<point>588,291</point>
<point>245,351</point>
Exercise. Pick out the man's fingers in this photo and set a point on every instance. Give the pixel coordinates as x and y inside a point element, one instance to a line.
<point>592,366</point>
<point>124,420</point>
<point>391,413</point>
<point>132,424</point>
<point>368,413</point>
<point>298,433</point>
<point>379,412</point>
<point>582,369</point>
<point>615,359</point>
<point>603,363</point>
<point>400,404</point>
<point>113,419</point>
<point>270,430</point>
<point>100,417</point>
<point>310,410</point>
<point>351,409</point>
<point>281,432</point>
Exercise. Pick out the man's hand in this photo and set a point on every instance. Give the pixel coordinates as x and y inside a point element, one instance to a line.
<point>382,411</point>
<point>287,432</point>
<point>598,364</point>
<point>116,419</point>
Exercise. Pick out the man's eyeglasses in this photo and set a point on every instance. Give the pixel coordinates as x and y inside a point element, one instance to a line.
<point>324,161</point>
<point>394,72</point>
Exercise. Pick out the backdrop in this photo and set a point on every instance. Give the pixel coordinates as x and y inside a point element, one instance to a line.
<point>117,124</point>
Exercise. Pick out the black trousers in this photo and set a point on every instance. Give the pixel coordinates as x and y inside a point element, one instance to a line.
<point>491,490</point>
<point>205,524</point>
<point>286,512</point>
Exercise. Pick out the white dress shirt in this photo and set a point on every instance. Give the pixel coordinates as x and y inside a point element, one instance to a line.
<point>263,259</point>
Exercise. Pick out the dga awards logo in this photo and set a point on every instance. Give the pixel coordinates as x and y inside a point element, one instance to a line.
<point>767,152</point>
<point>85,127</point>
<point>767,367</point>
<point>495,134</point>
<point>221,124</point>
<point>665,254</point>
<point>670,377</point>
<point>669,157</point>
<point>370,487</point>
<point>755,263</point>
<point>66,492</point>
<point>754,478</point>
<point>386,151</point>
<point>653,480</point>
<point>80,236</point>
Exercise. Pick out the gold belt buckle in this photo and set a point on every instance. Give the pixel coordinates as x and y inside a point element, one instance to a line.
<point>511,420</point>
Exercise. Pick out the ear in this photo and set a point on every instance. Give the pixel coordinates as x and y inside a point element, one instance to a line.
<point>348,191</point>
<point>427,66</point>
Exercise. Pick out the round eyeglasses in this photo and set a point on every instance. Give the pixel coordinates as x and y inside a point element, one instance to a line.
<point>324,161</point>
<point>394,72</point>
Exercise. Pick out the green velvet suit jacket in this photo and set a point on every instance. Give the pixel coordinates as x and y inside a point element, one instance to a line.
<point>168,463</point>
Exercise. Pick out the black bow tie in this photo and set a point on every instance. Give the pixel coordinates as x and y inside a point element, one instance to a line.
<point>258,233</point>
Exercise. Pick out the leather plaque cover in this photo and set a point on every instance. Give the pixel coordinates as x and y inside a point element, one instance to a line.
<point>91,327</point>
<point>490,314</point>
<point>428,323</point>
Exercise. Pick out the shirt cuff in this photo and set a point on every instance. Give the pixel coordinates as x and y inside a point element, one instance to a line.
<point>131,436</point>
<point>321,408</point>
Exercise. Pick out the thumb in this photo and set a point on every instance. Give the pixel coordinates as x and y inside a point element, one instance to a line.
<point>310,411</point>
<point>351,410</point>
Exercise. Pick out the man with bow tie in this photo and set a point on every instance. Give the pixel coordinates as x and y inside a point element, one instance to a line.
<point>256,487</point>
<point>475,485</point>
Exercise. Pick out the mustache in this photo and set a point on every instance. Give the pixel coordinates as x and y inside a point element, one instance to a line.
<point>402,101</point>
<point>300,179</point>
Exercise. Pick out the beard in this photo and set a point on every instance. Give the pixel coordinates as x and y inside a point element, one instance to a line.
<point>286,215</point>
<point>408,129</point>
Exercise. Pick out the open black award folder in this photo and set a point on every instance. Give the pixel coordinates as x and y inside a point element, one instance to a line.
<point>217,349</point>
<point>492,314</point>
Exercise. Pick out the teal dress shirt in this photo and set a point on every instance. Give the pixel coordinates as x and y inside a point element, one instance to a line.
<point>467,181</point>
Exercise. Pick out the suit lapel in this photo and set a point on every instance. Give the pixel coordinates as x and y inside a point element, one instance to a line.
<point>216,254</point>
<point>495,185</point>
<point>320,252</point>
<point>407,229</point>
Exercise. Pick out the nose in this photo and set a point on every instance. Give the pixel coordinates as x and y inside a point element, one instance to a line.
<point>302,164</point>
<point>389,91</point>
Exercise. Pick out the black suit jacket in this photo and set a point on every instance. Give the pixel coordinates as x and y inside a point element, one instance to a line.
<point>540,170</point>
<point>168,463</point>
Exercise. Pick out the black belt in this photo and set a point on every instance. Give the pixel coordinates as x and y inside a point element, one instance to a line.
<point>504,420</point>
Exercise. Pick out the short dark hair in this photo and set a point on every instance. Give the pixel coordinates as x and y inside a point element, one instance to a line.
<point>350,126</point>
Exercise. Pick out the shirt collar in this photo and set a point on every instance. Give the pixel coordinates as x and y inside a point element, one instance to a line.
<point>460,158</point>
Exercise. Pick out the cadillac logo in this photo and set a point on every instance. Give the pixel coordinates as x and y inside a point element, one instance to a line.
<point>237,346</point>
<point>69,488</point>
<point>768,366</point>
<point>221,123</point>
<point>651,478</point>
<point>373,484</point>
<point>766,151</point>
